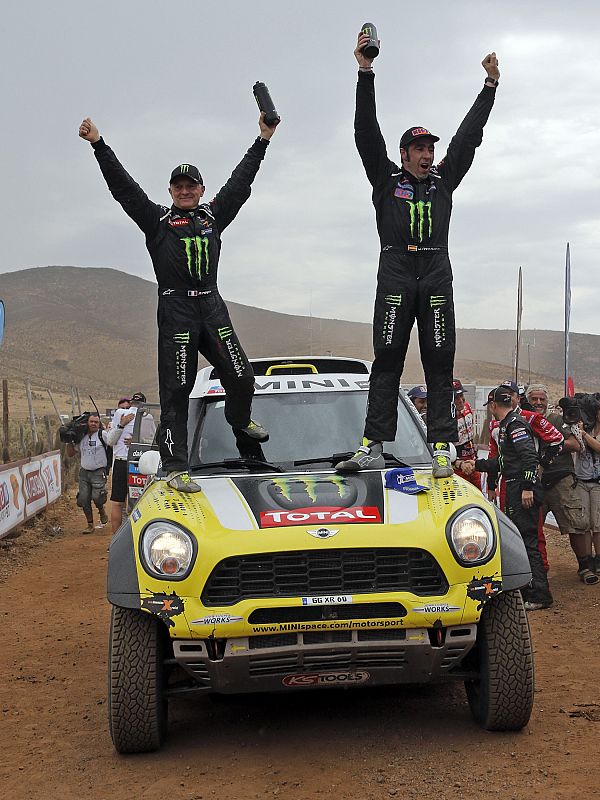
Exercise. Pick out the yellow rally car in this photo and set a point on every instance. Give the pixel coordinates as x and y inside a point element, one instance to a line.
<point>282,575</point>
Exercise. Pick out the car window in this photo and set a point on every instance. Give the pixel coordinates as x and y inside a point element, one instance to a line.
<point>301,425</point>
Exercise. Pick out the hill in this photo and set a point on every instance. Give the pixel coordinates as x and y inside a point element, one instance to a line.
<point>96,329</point>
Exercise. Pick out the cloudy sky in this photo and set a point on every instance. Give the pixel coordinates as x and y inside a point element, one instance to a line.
<point>171,82</point>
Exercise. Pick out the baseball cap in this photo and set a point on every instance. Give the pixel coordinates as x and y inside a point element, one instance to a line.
<point>457,387</point>
<point>418,392</point>
<point>186,171</point>
<point>511,385</point>
<point>501,394</point>
<point>124,400</point>
<point>138,397</point>
<point>416,133</point>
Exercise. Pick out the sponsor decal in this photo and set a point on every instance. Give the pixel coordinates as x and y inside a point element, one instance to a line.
<point>135,514</point>
<point>325,678</point>
<point>4,500</point>
<point>394,301</point>
<point>133,469</point>
<point>164,606</point>
<point>177,223</point>
<point>418,211</point>
<point>328,625</point>
<point>518,435</point>
<point>183,337</point>
<point>332,600</point>
<point>137,480</point>
<point>135,492</point>
<point>437,302</point>
<point>34,487</point>
<point>300,516</point>
<point>137,453</point>
<point>216,390</point>
<point>224,333</point>
<point>196,251</point>
<point>406,194</point>
<point>323,533</point>
<point>483,589</point>
<point>436,608</point>
<point>420,132</point>
<point>169,440</point>
<point>217,619</point>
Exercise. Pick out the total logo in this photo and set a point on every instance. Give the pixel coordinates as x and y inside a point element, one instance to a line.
<point>301,516</point>
<point>325,678</point>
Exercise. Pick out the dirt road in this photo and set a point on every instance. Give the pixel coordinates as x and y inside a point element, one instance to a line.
<point>365,744</point>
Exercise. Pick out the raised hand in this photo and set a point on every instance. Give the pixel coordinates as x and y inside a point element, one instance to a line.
<point>88,131</point>
<point>490,65</point>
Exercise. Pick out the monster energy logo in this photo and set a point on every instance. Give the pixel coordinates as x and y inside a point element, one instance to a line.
<point>196,250</point>
<point>437,300</point>
<point>184,167</point>
<point>224,333</point>
<point>184,337</point>
<point>310,486</point>
<point>417,218</point>
<point>393,299</point>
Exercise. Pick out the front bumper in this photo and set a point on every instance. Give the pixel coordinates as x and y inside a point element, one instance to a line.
<point>320,659</point>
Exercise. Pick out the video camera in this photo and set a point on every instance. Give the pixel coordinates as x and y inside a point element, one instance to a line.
<point>581,408</point>
<point>74,431</point>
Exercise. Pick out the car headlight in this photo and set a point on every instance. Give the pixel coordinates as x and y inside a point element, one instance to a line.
<point>167,550</point>
<point>471,536</point>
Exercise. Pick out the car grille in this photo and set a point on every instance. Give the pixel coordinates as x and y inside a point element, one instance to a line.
<point>312,572</point>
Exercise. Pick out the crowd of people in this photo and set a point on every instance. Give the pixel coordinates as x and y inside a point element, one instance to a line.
<point>539,462</point>
<point>102,450</point>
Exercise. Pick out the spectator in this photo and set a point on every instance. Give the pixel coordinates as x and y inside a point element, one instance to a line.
<point>587,523</point>
<point>120,438</point>
<point>418,397</point>
<point>520,463</point>
<point>559,482</point>
<point>465,446</point>
<point>124,402</point>
<point>93,472</point>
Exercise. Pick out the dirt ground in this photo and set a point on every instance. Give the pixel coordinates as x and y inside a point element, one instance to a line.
<point>362,743</point>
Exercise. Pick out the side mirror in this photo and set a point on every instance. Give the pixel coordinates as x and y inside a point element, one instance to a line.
<point>149,462</point>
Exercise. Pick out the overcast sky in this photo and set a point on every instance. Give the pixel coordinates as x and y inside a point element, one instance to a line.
<point>171,82</point>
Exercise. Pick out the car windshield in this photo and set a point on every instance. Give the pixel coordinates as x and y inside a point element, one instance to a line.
<point>301,426</point>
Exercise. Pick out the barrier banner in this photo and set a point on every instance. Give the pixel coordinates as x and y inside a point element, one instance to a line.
<point>27,487</point>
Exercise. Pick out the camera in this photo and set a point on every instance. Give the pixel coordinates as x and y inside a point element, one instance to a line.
<point>581,408</point>
<point>74,431</point>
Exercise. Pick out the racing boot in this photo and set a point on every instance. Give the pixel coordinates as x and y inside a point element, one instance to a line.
<point>255,431</point>
<point>441,466</point>
<point>181,482</point>
<point>368,456</point>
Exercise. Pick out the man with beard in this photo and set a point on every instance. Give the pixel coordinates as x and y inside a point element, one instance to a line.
<point>413,203</point>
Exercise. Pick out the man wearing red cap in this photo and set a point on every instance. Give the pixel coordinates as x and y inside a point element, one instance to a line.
<point>413,203</point>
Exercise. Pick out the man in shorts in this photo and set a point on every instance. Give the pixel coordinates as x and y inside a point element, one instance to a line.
<point>93,471</point>
<point>120,437</point>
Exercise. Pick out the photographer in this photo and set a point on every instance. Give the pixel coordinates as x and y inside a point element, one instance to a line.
<point>585,539</point>
<point>559,481</point>
<point>94,452</point>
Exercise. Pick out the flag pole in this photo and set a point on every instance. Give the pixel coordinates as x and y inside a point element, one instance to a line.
<point>569,388</point>
<point>519,315</point>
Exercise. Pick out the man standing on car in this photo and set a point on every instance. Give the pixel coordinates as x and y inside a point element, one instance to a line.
<point>412,205</point>
<point>184,243</point>
<point>518,462</point>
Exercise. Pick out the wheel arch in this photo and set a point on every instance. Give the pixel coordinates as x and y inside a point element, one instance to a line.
<point>516,572</point>
<point>123,587</point>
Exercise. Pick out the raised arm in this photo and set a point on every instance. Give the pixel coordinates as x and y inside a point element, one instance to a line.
<point>236,191</point>
<point>367,134</point>
<point>469,135</point>
<point>123,188</point>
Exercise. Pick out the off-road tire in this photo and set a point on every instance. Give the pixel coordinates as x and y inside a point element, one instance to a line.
<point>137,708</point>
<point>502,698</point>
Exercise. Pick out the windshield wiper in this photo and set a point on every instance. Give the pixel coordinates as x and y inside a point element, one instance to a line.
<point>335,457</point>
<point>250,463</point>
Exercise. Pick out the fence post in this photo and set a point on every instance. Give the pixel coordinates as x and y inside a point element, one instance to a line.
<point>5,448</point>
<point>72,402</point>
<point>31,414</point>
<point>48,431</point>
<point>55,407</point>
<point>78,401</point>
<point>22,441</point>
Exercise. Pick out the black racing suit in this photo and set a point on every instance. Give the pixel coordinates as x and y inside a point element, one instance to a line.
<point>192,317</point>
<point>518,462</point>
<point>415,276</point>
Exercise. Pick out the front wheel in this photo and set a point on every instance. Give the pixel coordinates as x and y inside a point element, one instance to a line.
<point>137,706</point>
<point>501,699</point>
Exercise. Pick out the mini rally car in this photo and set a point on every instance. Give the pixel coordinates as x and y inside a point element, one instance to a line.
<point>283,576</point>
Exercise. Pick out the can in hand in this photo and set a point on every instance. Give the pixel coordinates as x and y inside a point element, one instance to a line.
<point>264,102</point>
<point>371,49</point>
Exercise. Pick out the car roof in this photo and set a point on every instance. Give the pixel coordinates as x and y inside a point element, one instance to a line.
<point>276,375</point>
